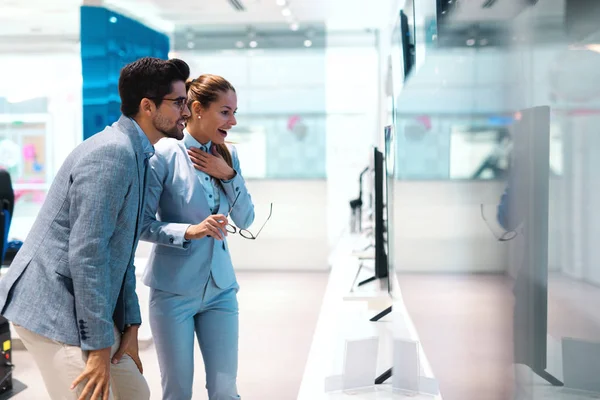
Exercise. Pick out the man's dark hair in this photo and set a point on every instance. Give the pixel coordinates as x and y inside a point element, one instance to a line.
<point>150,78</point>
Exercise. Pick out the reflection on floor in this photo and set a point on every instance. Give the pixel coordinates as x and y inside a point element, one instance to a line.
<point>465,324</point>
<point>278,314</point>
<point>463,321</point>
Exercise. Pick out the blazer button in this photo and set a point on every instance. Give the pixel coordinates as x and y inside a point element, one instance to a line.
<point>237,189</point>
<point>83,337</point>
<point>171,240</point>
<point>81,321</point>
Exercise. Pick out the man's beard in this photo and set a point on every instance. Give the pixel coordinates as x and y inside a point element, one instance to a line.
<point>164,126</point>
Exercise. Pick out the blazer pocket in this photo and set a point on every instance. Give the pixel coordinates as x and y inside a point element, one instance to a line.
<point>172,251</point>
<point>63,270</point>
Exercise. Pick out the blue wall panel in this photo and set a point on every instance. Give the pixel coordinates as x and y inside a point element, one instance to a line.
<point>109,41</point>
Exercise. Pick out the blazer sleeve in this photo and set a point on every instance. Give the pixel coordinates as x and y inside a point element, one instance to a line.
<point>132,314</point>
<point>155,231</point>
<point>243,210</point>
<point>96,196</point>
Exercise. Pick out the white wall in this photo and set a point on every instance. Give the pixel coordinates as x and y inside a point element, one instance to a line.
<point>60,82</point>
<point>352,89</point>
<point>57,77</point>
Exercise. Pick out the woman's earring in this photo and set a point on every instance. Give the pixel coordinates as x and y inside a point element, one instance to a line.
<point>199,116</point>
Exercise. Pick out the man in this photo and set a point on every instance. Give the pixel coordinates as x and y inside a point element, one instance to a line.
<point>70,292</point>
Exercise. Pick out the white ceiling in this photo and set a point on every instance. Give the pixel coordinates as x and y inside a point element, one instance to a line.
<point>61,17</point>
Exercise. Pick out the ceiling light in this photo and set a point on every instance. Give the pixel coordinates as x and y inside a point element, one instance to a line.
<point>281,3</point>
<point>191,45</point>
<point>471,42</point>
<point>294,26</point>
<point>253,44</point>
<point>307,43</point>
<point>483,42</point>
<point>286,12</point>
<point>239,44</point>
<point>593,47</point>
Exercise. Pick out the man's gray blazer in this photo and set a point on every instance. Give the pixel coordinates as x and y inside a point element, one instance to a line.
<point>78,257</point>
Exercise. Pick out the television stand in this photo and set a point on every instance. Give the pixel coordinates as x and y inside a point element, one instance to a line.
<point>387,374</point>
<point>383,377</point>
<point>381,314</point>
<point>371,279</point>
<point>545,375</point>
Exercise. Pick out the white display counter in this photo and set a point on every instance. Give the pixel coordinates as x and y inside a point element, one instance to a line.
<point>343,327</point>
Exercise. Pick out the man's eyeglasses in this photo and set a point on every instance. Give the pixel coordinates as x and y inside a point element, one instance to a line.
<point>505,237</point>
<point>246,234</point>
<point>179,102</point>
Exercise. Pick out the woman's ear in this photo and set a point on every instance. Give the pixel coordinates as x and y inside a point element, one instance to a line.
<point>196,109</point>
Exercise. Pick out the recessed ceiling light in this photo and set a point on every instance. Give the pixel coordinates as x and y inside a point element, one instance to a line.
<point>286,12</point>
<point>471,42</point>
<point>253,44</point>
<point>294,26</point>
<point>191,45</point>
<point>308,43</point>
<point>239,44</point>
<point>281,3</point>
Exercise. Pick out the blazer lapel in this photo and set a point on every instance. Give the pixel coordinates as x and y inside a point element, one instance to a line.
<point>128,128</point>
<point>142,168</point>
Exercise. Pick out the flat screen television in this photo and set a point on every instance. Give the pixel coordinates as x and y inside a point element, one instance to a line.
<point>382,190</point>
<point>385,167</point>
<point>381,258</point>
<point>525,208</point>
<point>407,37</point>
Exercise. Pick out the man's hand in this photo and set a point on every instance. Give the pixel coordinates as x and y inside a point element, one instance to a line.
<point>129,346</point>
<point>97,375</point>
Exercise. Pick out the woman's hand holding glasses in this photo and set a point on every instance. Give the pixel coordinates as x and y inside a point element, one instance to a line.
<point>214,226</point>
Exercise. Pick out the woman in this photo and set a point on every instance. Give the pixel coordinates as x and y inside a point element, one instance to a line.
<point>192,185</point>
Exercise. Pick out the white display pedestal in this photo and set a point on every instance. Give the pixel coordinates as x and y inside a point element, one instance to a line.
<point>343,312</point>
